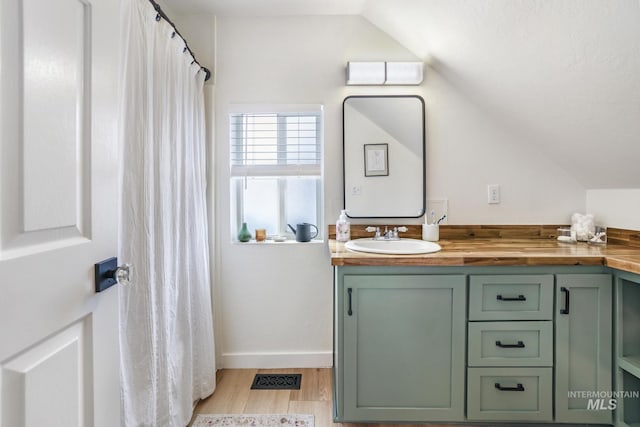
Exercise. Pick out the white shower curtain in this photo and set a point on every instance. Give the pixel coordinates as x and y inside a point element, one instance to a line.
<point>166,332</point>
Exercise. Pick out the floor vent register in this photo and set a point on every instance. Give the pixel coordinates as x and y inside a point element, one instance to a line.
<point>276,382</point>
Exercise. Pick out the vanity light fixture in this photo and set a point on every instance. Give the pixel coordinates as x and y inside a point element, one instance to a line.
<point>384,73</point>
<point>404,73</point>
<point>365,73</point>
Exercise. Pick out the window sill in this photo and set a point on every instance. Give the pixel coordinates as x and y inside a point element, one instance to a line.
<point>273,242</point>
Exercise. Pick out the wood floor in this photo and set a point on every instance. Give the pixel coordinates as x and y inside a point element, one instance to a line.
<point>234,396</point>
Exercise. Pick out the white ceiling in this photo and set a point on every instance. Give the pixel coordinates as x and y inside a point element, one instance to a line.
<point>269,7</point>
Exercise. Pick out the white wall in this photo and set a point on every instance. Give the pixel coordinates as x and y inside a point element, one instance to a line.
<point>275,302</point>
<point>615,208</point>
<point>469,147</point>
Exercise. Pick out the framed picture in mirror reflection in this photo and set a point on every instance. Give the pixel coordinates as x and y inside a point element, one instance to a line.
<point>376,159</point>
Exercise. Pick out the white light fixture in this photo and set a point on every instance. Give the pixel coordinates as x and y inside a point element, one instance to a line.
<point>365,73</point>
<point>384,73</point>
<point>404,73</point>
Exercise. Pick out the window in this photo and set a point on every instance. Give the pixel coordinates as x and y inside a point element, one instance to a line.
<point>276,174</point>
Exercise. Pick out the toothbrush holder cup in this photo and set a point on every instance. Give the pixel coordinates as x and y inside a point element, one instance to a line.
<point>431,232</point>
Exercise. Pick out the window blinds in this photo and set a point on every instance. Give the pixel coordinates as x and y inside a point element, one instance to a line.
<point>275,144</point>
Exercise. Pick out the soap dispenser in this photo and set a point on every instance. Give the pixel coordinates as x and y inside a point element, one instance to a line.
<point>343,228</point>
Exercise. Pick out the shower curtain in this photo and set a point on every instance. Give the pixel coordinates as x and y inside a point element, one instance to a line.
<point>166,327</point>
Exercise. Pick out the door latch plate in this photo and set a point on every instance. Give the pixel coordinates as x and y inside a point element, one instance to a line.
<point>105,274</point>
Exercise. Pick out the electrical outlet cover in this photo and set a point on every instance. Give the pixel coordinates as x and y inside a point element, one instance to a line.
<point>493,194</point>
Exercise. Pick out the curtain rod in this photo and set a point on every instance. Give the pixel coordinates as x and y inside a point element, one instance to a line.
<point>164,16</point>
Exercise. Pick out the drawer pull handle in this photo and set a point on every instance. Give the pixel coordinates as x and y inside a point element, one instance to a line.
<point>565,310</point>
<point>350,312</point>
<point>520,344</point>
<point>518,298</point>
<point>519,387</point>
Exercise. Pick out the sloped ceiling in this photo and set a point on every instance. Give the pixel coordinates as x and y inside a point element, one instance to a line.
<point>563,76</point>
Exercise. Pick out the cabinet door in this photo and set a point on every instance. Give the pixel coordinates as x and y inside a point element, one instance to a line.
<point>583,347</point>
<point>404,347</point>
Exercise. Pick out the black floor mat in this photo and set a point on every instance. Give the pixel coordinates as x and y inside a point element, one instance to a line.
<point>276,382</point>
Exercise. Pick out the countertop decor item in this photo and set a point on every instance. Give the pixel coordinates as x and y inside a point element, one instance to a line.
<point>431,232</point>
<point>244,235</point>
<point>566,235</point>
<point>343,227</point>
<point>582,226</point>
<point>598,236</point>
<point>257,420</point>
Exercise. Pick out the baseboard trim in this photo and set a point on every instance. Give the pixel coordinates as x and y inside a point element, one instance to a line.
<point>277,360</point>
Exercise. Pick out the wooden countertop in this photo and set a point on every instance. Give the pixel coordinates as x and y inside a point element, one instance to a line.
<point>500,251</point>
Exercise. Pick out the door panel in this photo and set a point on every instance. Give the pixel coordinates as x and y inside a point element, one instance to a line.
<point>28,377</point>
<point>46,136</point>
<point>404,348</point>
<point>58,212</point>
<point>583,345</point>
<point>418,321</point>
<point>55,120</point>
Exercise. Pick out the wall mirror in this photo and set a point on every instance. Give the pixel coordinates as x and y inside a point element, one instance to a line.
<point>384,156</point>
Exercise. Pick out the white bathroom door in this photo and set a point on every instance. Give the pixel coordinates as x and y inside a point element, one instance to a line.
<point>59,353</point>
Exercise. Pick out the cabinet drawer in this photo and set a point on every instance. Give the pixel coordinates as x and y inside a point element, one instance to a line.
<point>511,297</point>
<point>509,394</point>
<point>511,343</point>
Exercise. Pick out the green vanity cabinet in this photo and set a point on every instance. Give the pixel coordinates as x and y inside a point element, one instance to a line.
<point>529,344</point>
<point>583,346</point>
<point>402,341</point>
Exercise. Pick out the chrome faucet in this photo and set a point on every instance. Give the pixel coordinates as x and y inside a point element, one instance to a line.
<point>388,234</point>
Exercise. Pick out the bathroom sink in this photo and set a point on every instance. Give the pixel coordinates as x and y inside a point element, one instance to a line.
<point>392,247</point>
